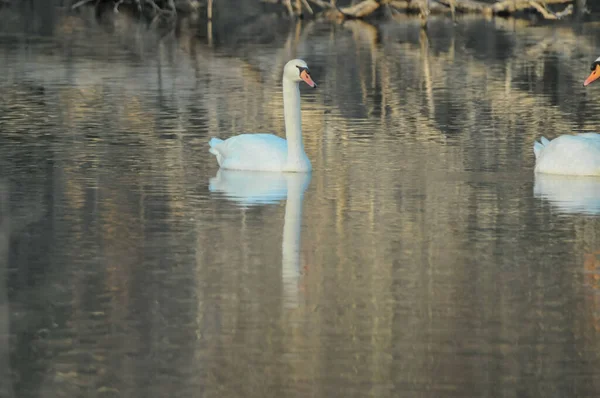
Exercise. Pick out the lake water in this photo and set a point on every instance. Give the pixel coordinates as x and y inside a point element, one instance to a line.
<point>421,258</point>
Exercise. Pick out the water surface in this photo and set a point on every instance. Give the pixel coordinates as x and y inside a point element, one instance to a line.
<point>421,258</point>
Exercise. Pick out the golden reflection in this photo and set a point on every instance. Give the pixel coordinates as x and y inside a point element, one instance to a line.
<point>591,271</point>
<point>579,195</point>
<point>424,40</point>
<point>576,196</point>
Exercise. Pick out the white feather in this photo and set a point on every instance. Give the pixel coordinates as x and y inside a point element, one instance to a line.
<point>577,154</point>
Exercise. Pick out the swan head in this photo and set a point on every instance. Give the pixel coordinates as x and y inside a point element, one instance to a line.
<point>595,72</point>
<point>297,71</point>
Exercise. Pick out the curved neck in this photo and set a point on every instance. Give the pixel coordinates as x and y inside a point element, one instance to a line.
<point>293,121</point>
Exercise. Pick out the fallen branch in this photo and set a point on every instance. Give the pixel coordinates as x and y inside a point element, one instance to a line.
<point>423,7</point>
<point>288,5</point>
<point>323,4</point>
<point>406,5</point>
<point>466,6</point>
<point>512,6</point>
<point>308,7</point>
<point>542,10</point>
<point>158,6</point>
<point>117,4</point>
<point>79,4</point>
<point>360,10</point>
<point>547,14</point>
<point>567,11</point>
<point>154,5</point>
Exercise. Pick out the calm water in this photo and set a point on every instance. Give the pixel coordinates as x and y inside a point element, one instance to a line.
<point>421,258</point>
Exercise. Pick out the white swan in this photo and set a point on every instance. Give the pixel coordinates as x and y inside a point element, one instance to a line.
<point>577,154</point>
<point>268,152</point>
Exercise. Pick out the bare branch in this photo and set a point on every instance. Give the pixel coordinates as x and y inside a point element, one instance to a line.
<point>154,6</point>
<point>80,3</point>
<point>360,10</point>
<point>117,4</point>
<point>288,5</point>
<point>519,5</point>
<point>308,7</point>
<point>323,4</point>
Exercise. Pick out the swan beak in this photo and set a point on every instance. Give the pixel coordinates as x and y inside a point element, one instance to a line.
<point>307,79</point>
<point>593,76</point>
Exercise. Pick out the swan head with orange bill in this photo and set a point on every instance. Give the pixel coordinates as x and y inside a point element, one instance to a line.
<point>297,71</point>
<point>595,74</point>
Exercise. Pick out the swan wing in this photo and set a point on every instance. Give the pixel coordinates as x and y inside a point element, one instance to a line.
<point>569,154</point>
<point>264,152</point>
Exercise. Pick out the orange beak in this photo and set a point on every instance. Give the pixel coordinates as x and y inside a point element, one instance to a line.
<point>307,79</point>
<point>593,76</point>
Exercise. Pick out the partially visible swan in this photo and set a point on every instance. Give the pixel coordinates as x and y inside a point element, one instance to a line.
<point>577,154</point>
<point>258,188</point>
<point>268,152</point>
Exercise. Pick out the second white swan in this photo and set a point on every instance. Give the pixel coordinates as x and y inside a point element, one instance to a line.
<point>577,154</point>
<point>268,152</point>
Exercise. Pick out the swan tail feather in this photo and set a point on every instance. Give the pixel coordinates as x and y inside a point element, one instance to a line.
<point>538,146</point>
<point>214,142</point>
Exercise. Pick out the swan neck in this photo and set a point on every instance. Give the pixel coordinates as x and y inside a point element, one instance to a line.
<point>293,120</point>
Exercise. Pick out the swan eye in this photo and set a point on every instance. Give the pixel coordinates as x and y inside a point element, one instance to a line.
<point>594,65</point>
<point>302,69</point>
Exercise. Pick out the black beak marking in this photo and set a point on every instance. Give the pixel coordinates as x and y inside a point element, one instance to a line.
<point>301,69</point>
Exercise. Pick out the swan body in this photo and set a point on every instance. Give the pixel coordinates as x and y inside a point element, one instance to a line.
<point>256,152</point>
<point>577,154</point>
<point>268,152</point>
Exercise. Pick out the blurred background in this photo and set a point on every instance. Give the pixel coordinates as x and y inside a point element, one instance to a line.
<point>422,257</point>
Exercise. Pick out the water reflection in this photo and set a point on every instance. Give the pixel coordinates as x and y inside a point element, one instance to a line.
<point>254,188</point>
<point>5,368</point>
<point>569,194</point>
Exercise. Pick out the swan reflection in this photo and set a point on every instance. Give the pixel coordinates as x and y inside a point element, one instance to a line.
<point>5,327</point>
<point>570,194</point>
<point>251,188</point>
